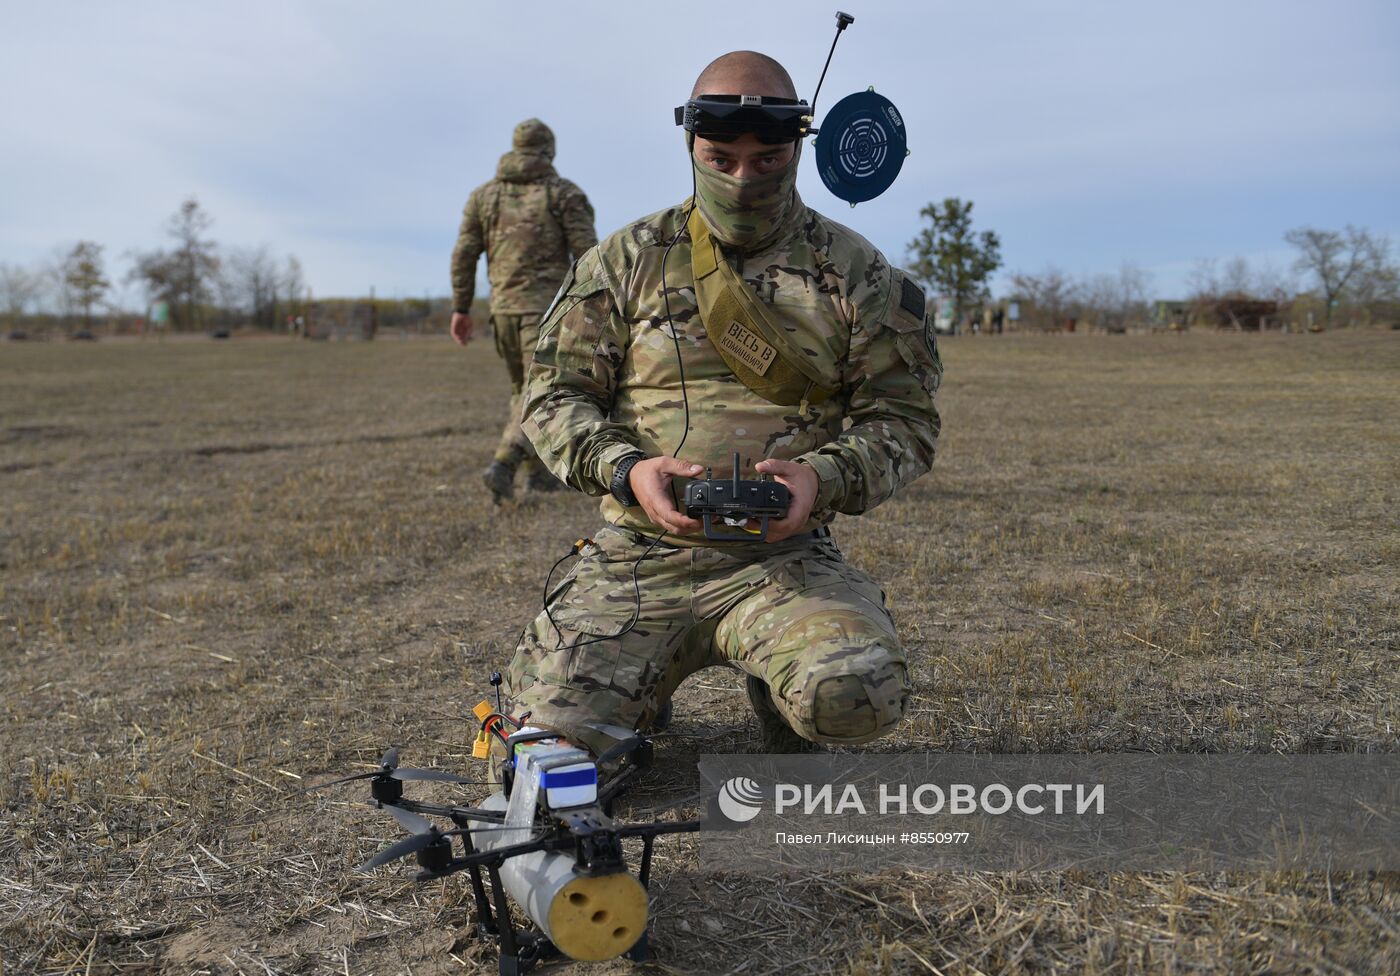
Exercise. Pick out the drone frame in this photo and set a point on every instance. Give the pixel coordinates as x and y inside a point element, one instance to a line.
<point>587,831</point>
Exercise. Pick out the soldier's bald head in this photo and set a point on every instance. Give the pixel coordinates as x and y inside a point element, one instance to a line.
<point>744,73</point>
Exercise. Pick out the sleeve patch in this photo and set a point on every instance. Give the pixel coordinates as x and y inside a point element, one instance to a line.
<point>911,298</point>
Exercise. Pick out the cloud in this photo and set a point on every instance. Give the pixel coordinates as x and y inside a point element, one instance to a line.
<point>351,133</point>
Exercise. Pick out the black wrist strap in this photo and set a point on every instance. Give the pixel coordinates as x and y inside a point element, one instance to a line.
<point>619,487</point>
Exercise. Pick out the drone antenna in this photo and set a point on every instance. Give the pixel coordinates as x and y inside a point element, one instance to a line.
<point>496,683</point>
<point>843,20</point>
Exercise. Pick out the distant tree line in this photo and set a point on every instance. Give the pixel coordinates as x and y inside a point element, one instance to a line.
<point>193,284</point>
<point>1337,278</point>
<point>1347,277</point>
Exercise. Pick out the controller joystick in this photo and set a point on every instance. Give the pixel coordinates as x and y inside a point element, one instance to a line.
<point>734,502</point>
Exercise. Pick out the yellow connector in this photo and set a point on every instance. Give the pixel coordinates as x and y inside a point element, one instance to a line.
<point>481,748</point>
<point>482,710</point>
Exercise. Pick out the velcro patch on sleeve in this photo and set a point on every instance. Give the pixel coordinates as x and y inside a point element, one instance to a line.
<point>911,297</point>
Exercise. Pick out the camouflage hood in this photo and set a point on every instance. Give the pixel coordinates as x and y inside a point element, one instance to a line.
<point>533,136</point>
<point>522,167</point>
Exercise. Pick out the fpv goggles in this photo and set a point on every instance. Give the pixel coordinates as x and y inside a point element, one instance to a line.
<point>726,117</point>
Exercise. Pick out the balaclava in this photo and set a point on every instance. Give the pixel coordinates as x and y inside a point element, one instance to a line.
<point>746,213</point>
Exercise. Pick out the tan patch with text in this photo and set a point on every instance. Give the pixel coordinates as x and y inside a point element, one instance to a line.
<point>741,343</point>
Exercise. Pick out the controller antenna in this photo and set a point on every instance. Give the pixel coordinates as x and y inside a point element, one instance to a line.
<point>843,20</point>
<point>735,496</point>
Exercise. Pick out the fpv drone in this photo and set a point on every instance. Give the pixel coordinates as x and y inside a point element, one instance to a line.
<point>547,840</point>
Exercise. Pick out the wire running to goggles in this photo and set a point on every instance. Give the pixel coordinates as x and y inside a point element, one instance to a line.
<point>774,120</point>
<point>595,638</point>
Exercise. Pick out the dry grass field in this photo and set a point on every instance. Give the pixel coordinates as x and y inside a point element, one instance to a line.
<point>227,569</point>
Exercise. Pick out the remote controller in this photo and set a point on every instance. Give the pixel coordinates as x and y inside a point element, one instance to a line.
<point>734,502</point>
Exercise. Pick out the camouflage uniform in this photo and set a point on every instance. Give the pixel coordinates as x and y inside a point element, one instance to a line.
<point>605,384</point>
<point>529,221</point>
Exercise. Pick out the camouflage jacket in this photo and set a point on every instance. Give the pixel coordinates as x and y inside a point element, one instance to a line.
<point>529,221</point>
<point>605,381</point>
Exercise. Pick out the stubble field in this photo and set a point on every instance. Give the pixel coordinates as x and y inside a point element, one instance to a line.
<point>228,569</point>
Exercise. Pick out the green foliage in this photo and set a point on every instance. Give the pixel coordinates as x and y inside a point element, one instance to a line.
<point>84,278</point>
<point>951,259</point>
<point>185,276</point>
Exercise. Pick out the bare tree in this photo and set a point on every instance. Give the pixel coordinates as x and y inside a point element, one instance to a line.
<point>293,283</point>
<point>1238,279</point>
<point>1378,279</point>
<point>1048,294</point>
<point>1116,300</point>
<point>1335,259</point>
<point>185,276</point>
<point>1272,284</point>
<point>19,287</point>
<point>253,280</point>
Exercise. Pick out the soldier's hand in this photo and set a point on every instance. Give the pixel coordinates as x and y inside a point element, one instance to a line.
<point>802,482</point>
<point>461,328</point>
<point>650,481</point>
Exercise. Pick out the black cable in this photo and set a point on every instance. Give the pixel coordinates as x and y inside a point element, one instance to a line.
<point>595,638</point>
<point>670,323</point>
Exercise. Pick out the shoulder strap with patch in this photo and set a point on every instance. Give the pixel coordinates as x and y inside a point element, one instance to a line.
<point>756,348</point>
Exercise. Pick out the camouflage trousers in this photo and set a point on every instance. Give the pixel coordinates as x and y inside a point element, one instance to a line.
<point>516,337</point>
<point>794,613</point>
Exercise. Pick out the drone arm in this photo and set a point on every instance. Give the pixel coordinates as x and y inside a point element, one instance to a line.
<point>617,784</point>
<point>657,829</point>
<point>453,813</point>
<point>495,857</point>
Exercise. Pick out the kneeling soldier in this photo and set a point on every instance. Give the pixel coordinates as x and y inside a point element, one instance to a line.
<point>740,320</point>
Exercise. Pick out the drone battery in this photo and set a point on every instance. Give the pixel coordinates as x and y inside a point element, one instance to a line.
<point>574,785</point>
<point>560,774</point>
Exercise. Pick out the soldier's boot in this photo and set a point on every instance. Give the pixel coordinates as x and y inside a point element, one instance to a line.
<point>540,480</point>
<point>775,734</point>
<point>499,479</point>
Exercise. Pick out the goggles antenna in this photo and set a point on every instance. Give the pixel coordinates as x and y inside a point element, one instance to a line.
<point>843,20</point>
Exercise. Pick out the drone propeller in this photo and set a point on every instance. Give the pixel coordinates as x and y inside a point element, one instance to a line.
<point>624,748</point>
<point>627,741</point>
<point>423,834</point>
<point>409,845</point>
<point>412,822</point>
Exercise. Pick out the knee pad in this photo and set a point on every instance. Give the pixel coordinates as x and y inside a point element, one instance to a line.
<point>855,698</point>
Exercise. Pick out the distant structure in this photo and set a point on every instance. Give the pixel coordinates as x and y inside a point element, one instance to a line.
<point>1171,314</point>
<point>341,320</point>
<point>1232,314</point>
<point>1243,314</point>
<point>943,322</point>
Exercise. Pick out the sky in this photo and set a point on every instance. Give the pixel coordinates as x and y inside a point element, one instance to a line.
<point>1087,134</point>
